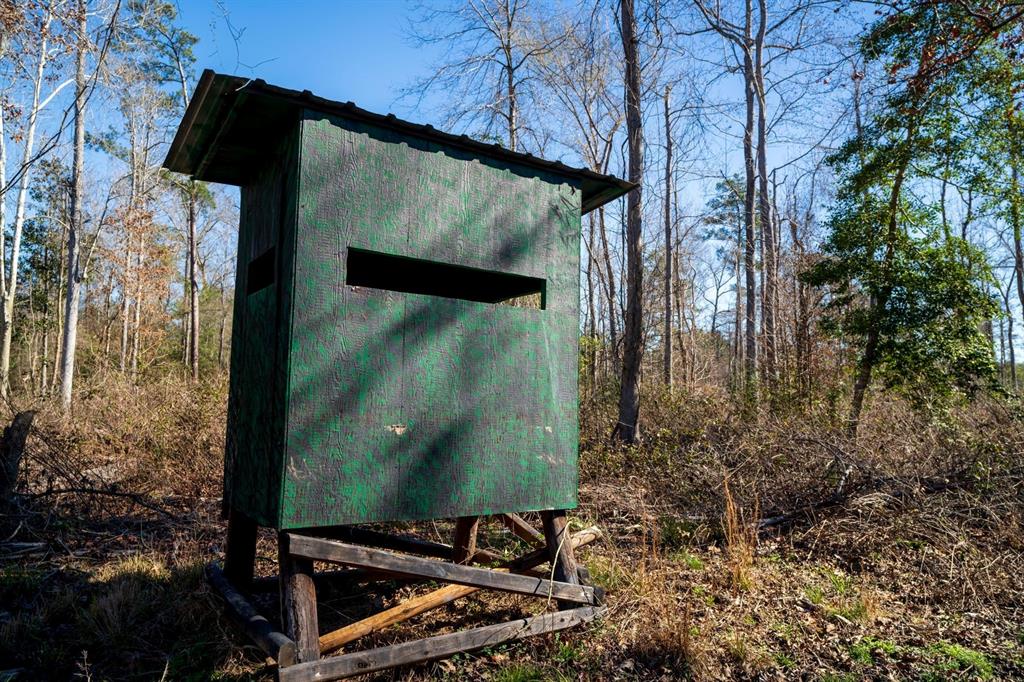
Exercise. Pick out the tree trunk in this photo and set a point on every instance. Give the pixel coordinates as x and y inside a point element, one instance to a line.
<point>9,281</point>
<point>73,291</point>
<point>591,308</point>
<point>193,284</point>
<point>628,428</point>
<point>680,318</point>
<point>222,337</point>
<point>1006,341</point>
<point>108,319</point>
<point>58,313</point>
<point>767,225</point>
<point>677,291</point>
<point>1009,339</point>
<point>738,335</point>
<point>12,447</point>
<point>1015,213</point>
<point>613,333</point>
<point>667,332</point>
<point>750,321</point>
<point>126,299</point>
<point>802,331</point>
<point>137,319</point>
<point>510,77</point>
<point>186,324</point>
<point>881,300</point>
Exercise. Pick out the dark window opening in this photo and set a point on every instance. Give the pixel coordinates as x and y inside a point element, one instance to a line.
<point>260,274</point>
<point>418,276</point>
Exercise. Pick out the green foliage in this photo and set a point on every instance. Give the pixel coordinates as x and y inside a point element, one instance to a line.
<point>911,294</point>
<point>691,561</point>
<point>607,573</point>
<point>784,661</point>
<point>840,583</point>
<point>525,672</point>
<point>815,595</point>
<point>865,650</point>
<point>956,658</point>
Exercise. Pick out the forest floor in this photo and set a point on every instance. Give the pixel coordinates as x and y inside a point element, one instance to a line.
<point>729,552</point>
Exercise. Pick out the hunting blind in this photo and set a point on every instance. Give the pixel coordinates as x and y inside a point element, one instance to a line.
<point>405,326</point>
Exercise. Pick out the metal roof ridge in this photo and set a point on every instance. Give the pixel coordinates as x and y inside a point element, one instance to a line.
<point>216,94</point>
<point>433,132</point>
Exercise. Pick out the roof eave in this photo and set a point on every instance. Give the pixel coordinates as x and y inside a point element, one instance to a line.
<point>208,114</point>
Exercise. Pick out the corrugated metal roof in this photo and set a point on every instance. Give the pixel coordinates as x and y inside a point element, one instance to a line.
<point>231,122</point>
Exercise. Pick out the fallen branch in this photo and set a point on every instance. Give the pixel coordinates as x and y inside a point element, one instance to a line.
<point>132,497</point>
<point>929,485</point>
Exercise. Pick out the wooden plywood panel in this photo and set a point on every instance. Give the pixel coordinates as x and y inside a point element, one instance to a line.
<point>404,406</point>
<point>256,410</point>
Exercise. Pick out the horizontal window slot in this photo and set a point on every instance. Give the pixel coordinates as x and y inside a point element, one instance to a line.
<point>417,276</point>
<point>260,273</point>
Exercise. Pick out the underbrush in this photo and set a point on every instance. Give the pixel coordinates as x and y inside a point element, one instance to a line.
<point>734,548</point>
<point>785,544</point>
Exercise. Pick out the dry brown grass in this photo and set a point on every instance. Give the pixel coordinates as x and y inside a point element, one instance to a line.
<point>899,556</point>
<point>740,531</point>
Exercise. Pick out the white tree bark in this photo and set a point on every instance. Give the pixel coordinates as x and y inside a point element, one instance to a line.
<point>9,275</point>
<point>74,279</point>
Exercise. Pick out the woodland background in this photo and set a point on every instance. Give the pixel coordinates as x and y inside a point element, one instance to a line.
<point>800,408</point>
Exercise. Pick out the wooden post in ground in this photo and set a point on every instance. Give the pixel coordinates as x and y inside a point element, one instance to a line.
<point>298,602</point>
<point>563,560</point>
<point>240,549</point>
<point>464,546</point>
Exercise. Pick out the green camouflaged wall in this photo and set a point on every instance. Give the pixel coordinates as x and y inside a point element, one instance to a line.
<point>401,406</point>
<point>254,452</point>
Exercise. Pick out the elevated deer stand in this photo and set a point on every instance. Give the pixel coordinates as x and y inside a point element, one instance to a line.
<point>371,553</point>
<point>404,347</point>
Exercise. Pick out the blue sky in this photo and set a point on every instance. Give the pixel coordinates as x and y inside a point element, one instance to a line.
<point>342,49</point>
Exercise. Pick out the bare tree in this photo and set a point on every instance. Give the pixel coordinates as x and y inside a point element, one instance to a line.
<point>628,427</point>
<point>487,76</point>
<point>38,44</point>
<point>769,267</point>
<point>666,339</point>
<point>741,36</point>
<point>74,281</point>
<point>579,72</point>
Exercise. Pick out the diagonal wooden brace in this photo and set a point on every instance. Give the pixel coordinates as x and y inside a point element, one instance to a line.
<point>522,530</point>
<point>425,602</point>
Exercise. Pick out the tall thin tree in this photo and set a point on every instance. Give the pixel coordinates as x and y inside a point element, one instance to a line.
<point>628,427</point>
<point>74,280</point>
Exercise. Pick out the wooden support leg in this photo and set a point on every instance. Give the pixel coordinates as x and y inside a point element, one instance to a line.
<point>240,550</point>
<point>556,533</point>
<point>298,602</point>
<point>522,529</point>
<point>464,546</point>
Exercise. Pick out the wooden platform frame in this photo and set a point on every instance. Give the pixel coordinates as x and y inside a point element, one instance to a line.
<point>368,555</point>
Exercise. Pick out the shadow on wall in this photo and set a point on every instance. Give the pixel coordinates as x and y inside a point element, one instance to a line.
<point>413,406</point>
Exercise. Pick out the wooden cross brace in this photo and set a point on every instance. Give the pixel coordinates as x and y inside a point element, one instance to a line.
<point>298,652</point>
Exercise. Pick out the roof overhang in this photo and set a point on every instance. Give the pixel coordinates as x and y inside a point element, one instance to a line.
<point>233,123</point>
